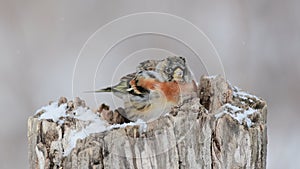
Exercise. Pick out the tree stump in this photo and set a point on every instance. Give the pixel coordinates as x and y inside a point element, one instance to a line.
<point>223,127</point>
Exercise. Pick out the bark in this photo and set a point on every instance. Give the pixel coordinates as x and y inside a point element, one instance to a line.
<point>202,133</point>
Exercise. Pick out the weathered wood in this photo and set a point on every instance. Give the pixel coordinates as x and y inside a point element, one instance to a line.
<point>214,92</point>
<point>216,135</point>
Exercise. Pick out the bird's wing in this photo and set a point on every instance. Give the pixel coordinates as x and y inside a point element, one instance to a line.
<point>128,77</point>
<point>129,85</point>
<point>147,65</point>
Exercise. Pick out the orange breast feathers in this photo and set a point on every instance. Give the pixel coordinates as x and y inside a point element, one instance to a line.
<point>174,90</point>
<point>171,90</point>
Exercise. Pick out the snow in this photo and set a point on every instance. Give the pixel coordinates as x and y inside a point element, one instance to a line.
<point>211,77</point>
<point>85,114</point>
<point>243,95</point>
<point>139,122</point>
<point>237,113</point>
<point>96,125</point>
<point>53,111</point>
<point>74,135</point>
<point>87,123</point>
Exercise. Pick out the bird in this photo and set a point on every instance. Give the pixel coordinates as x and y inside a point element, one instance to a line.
<point>155,87</point>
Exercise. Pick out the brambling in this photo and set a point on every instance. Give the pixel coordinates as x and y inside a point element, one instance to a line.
<point>154,88</point>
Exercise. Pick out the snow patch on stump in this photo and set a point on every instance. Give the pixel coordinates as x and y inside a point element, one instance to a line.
<point>87,122</point>
<point>237,113</point>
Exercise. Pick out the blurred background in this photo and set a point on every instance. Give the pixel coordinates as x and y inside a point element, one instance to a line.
<point>258,42</point>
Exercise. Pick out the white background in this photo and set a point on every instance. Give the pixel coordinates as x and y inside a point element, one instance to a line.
<point>258,41</point>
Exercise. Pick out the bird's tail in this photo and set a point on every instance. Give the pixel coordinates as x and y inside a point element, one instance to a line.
<point>120,88</point>
<point>108,89</point>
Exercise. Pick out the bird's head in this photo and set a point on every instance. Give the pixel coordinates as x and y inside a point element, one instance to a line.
<point>174,68</point>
